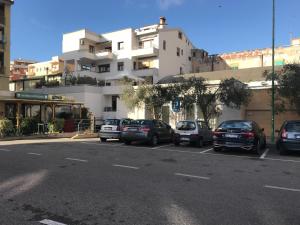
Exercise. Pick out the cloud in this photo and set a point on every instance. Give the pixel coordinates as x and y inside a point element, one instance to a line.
<point>165,4</point>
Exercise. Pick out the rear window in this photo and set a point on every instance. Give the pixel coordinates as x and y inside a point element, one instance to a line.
<point>112,122</point>
<point>243,125</point>
<point>293,127</point>
<point>141,122</point>
<point>186,125</point>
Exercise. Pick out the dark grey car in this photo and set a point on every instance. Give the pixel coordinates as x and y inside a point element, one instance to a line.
<point>289,137</point>
<point>150,131</point>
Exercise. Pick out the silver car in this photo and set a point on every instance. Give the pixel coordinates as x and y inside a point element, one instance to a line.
<point>194,132</point>
<point>112,129</point>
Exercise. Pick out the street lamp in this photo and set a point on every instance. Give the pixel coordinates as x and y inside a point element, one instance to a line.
<point>273,73</point>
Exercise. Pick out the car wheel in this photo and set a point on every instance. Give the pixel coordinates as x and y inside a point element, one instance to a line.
<point>154,140</point>
<point>217,149</point>
<point>281,150</point>
<point>177,143</point>
<point>200,143</point>
<point>127,142</point>
<point>103,139</point>
<point>257,148</point>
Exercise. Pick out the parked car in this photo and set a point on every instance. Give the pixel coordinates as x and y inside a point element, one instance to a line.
<point>112,129</point>
<point>150,131</point>
<point>242,134</point>
<point>289,137</point>
<point>194,132</point>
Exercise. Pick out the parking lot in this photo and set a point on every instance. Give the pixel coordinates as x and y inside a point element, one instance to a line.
<point>88,182</point>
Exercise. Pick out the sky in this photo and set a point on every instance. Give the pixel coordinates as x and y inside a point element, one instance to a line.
<point>218,26</point>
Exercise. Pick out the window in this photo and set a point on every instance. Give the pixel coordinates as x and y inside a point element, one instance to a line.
<point>104,68</point>
<point>91,49</point>
<point>120,66</point>
<point>180,35</point>
<point>180,70</point>
<point>120,45</point>
<point>164,45</point>
<point>194,54</point>
<point>178,52</point>
<point>181,51</point>
<point>81,42</point>
<point>190,58</point>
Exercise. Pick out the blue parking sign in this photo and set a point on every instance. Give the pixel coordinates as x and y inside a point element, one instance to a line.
<point>176,105</point>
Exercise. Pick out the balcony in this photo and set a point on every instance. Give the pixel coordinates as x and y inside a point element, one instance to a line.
<point>145,52</point>
<point>145,72</point>
<point>85,54</point>
<point>104,55</point>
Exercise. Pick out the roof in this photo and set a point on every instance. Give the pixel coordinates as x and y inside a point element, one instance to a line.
<point>244,75</point>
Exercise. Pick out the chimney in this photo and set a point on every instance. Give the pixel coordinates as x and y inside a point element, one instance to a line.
<point>162,21</point>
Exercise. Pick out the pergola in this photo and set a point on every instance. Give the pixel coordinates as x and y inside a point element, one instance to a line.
<point>42,103</point>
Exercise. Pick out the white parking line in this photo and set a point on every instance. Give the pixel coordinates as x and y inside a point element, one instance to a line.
<point>283,160</point>
<point>32,153</point>
<point>264,154</point>
<point>5,150</point>
<point>79,160</point>
<point>207,150</point>
<point>128,167</point>
<point>282,188</point>
<point>161,146</point>
<point>192,176</point>
<point>51,222</point>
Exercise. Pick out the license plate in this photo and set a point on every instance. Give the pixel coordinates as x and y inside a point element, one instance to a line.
<point>231,135</point>
<point>184,139</point>
<point>107,128</point>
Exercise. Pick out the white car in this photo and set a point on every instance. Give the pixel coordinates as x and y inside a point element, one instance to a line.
<point>112,129</point>
<point>194,132</point>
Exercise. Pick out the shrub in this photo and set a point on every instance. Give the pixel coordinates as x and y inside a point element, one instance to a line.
<point>28,126</point>
<point>57,126</point>
<point>6,127</point>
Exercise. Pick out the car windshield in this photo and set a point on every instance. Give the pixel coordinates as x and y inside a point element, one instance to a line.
<point>243,125</point>
<point>141,122</point>
<point>186,125</point>
<point>112,122</point>
<point>293,127</point>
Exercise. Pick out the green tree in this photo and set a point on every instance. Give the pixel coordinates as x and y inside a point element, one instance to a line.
<point>287,88</point>
<point>152,96</point>
<point>230,92</point>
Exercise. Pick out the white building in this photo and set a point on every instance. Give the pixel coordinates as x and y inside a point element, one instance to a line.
<point>145,54</point>
<point>148,53</point>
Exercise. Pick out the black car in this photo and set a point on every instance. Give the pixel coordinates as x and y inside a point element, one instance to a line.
<point>150,131</point>
<point>242,134</point>
<point>289,137</point>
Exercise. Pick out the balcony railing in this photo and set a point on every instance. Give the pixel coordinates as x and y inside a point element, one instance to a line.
<point>145,51</point>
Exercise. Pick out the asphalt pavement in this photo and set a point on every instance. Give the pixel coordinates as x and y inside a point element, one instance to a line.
<point>84,182</point>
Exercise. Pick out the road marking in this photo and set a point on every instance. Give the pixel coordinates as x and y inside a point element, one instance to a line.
<point>79,160</point>
<point>32,153</point>
<point>161,146</point>
<point>5,150</point>
<point>264,154</point>
<point>207,150</point>
<point>192,176</point>
<point>51,222</point>
<point>283,160</point>
<point>282,188</point>
<point>128,167</point>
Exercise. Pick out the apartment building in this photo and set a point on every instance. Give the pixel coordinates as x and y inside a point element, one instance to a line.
<point>4,42</point>
<point>47,68</point>
<point>248,59</point>
<point>148,53</point>
<point>19,69</point>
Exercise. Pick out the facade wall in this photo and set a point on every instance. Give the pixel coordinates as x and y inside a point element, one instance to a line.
<point>54,66</point>
<point>169,62</point>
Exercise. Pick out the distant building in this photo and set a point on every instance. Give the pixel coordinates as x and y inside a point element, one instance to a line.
<point>147,53</point>
<point>19,69</point>
<point>4,42</point>
<point>250,59</point>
